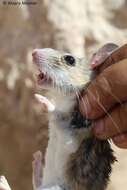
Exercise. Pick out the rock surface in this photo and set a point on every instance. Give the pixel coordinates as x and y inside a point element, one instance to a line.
<point>75,27</point>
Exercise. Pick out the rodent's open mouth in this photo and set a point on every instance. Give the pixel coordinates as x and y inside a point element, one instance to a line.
<point>43,78</point>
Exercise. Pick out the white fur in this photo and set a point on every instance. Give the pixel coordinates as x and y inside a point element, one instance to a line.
<point>61,144</point>
<point>56,187</point>
<point>4,184</point>
<point>63,140</point>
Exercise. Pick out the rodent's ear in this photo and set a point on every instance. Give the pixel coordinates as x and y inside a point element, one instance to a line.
<point>102,54</point>
<point>108,48</point>
<point>117,55</point>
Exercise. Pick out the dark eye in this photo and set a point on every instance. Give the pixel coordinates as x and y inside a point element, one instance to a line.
<point>70,60</point>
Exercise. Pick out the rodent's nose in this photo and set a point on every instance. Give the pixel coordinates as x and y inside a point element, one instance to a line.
<point>34,53</point>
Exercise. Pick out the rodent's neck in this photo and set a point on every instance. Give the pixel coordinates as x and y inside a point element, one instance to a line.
<point>63,103</point>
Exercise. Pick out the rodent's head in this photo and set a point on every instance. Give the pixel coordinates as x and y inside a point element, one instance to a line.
<point>61,71</point>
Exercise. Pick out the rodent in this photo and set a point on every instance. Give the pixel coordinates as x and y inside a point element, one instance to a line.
<point>75,159</point>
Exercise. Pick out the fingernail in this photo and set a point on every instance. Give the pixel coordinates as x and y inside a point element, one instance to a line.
<point>99,128</point>
<point>119,138</point>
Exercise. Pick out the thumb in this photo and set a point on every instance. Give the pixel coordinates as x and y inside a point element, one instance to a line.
<point>106,90</point>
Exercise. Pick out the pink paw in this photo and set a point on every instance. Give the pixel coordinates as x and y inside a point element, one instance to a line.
<point>43,100</point>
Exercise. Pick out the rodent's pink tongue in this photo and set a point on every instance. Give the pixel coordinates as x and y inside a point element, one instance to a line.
<point>41,76</point>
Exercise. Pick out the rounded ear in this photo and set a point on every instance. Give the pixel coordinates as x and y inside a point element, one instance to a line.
<point>102,54</point>
<point>109,48</point>
<point>114,57</point>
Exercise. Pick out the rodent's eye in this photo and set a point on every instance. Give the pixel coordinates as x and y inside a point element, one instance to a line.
<point>70,60</point>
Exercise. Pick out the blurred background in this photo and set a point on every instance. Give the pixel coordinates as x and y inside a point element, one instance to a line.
<point>79,27</point>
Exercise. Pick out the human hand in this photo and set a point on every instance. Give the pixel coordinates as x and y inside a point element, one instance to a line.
<point>105,102</point>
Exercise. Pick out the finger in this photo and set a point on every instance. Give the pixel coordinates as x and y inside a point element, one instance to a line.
<point>113,124</point>
<point>107,89</point>
<point>120,140</point>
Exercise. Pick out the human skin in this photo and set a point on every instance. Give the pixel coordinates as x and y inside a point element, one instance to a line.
<point>106,104</point>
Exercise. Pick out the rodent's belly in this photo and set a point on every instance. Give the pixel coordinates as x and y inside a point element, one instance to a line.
<point>61,145</point>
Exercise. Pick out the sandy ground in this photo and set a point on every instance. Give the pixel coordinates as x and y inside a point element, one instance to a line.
<point>119,174</point>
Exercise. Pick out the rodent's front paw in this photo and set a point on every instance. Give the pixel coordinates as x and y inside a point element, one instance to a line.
<point>43,100</point>
<point>37,169</point>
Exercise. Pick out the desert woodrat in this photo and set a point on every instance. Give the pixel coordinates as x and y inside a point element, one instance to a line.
<point>75,159</point>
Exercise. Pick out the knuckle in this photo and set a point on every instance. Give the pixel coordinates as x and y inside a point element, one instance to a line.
<point>117,144</point>
<point>121,145</point>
